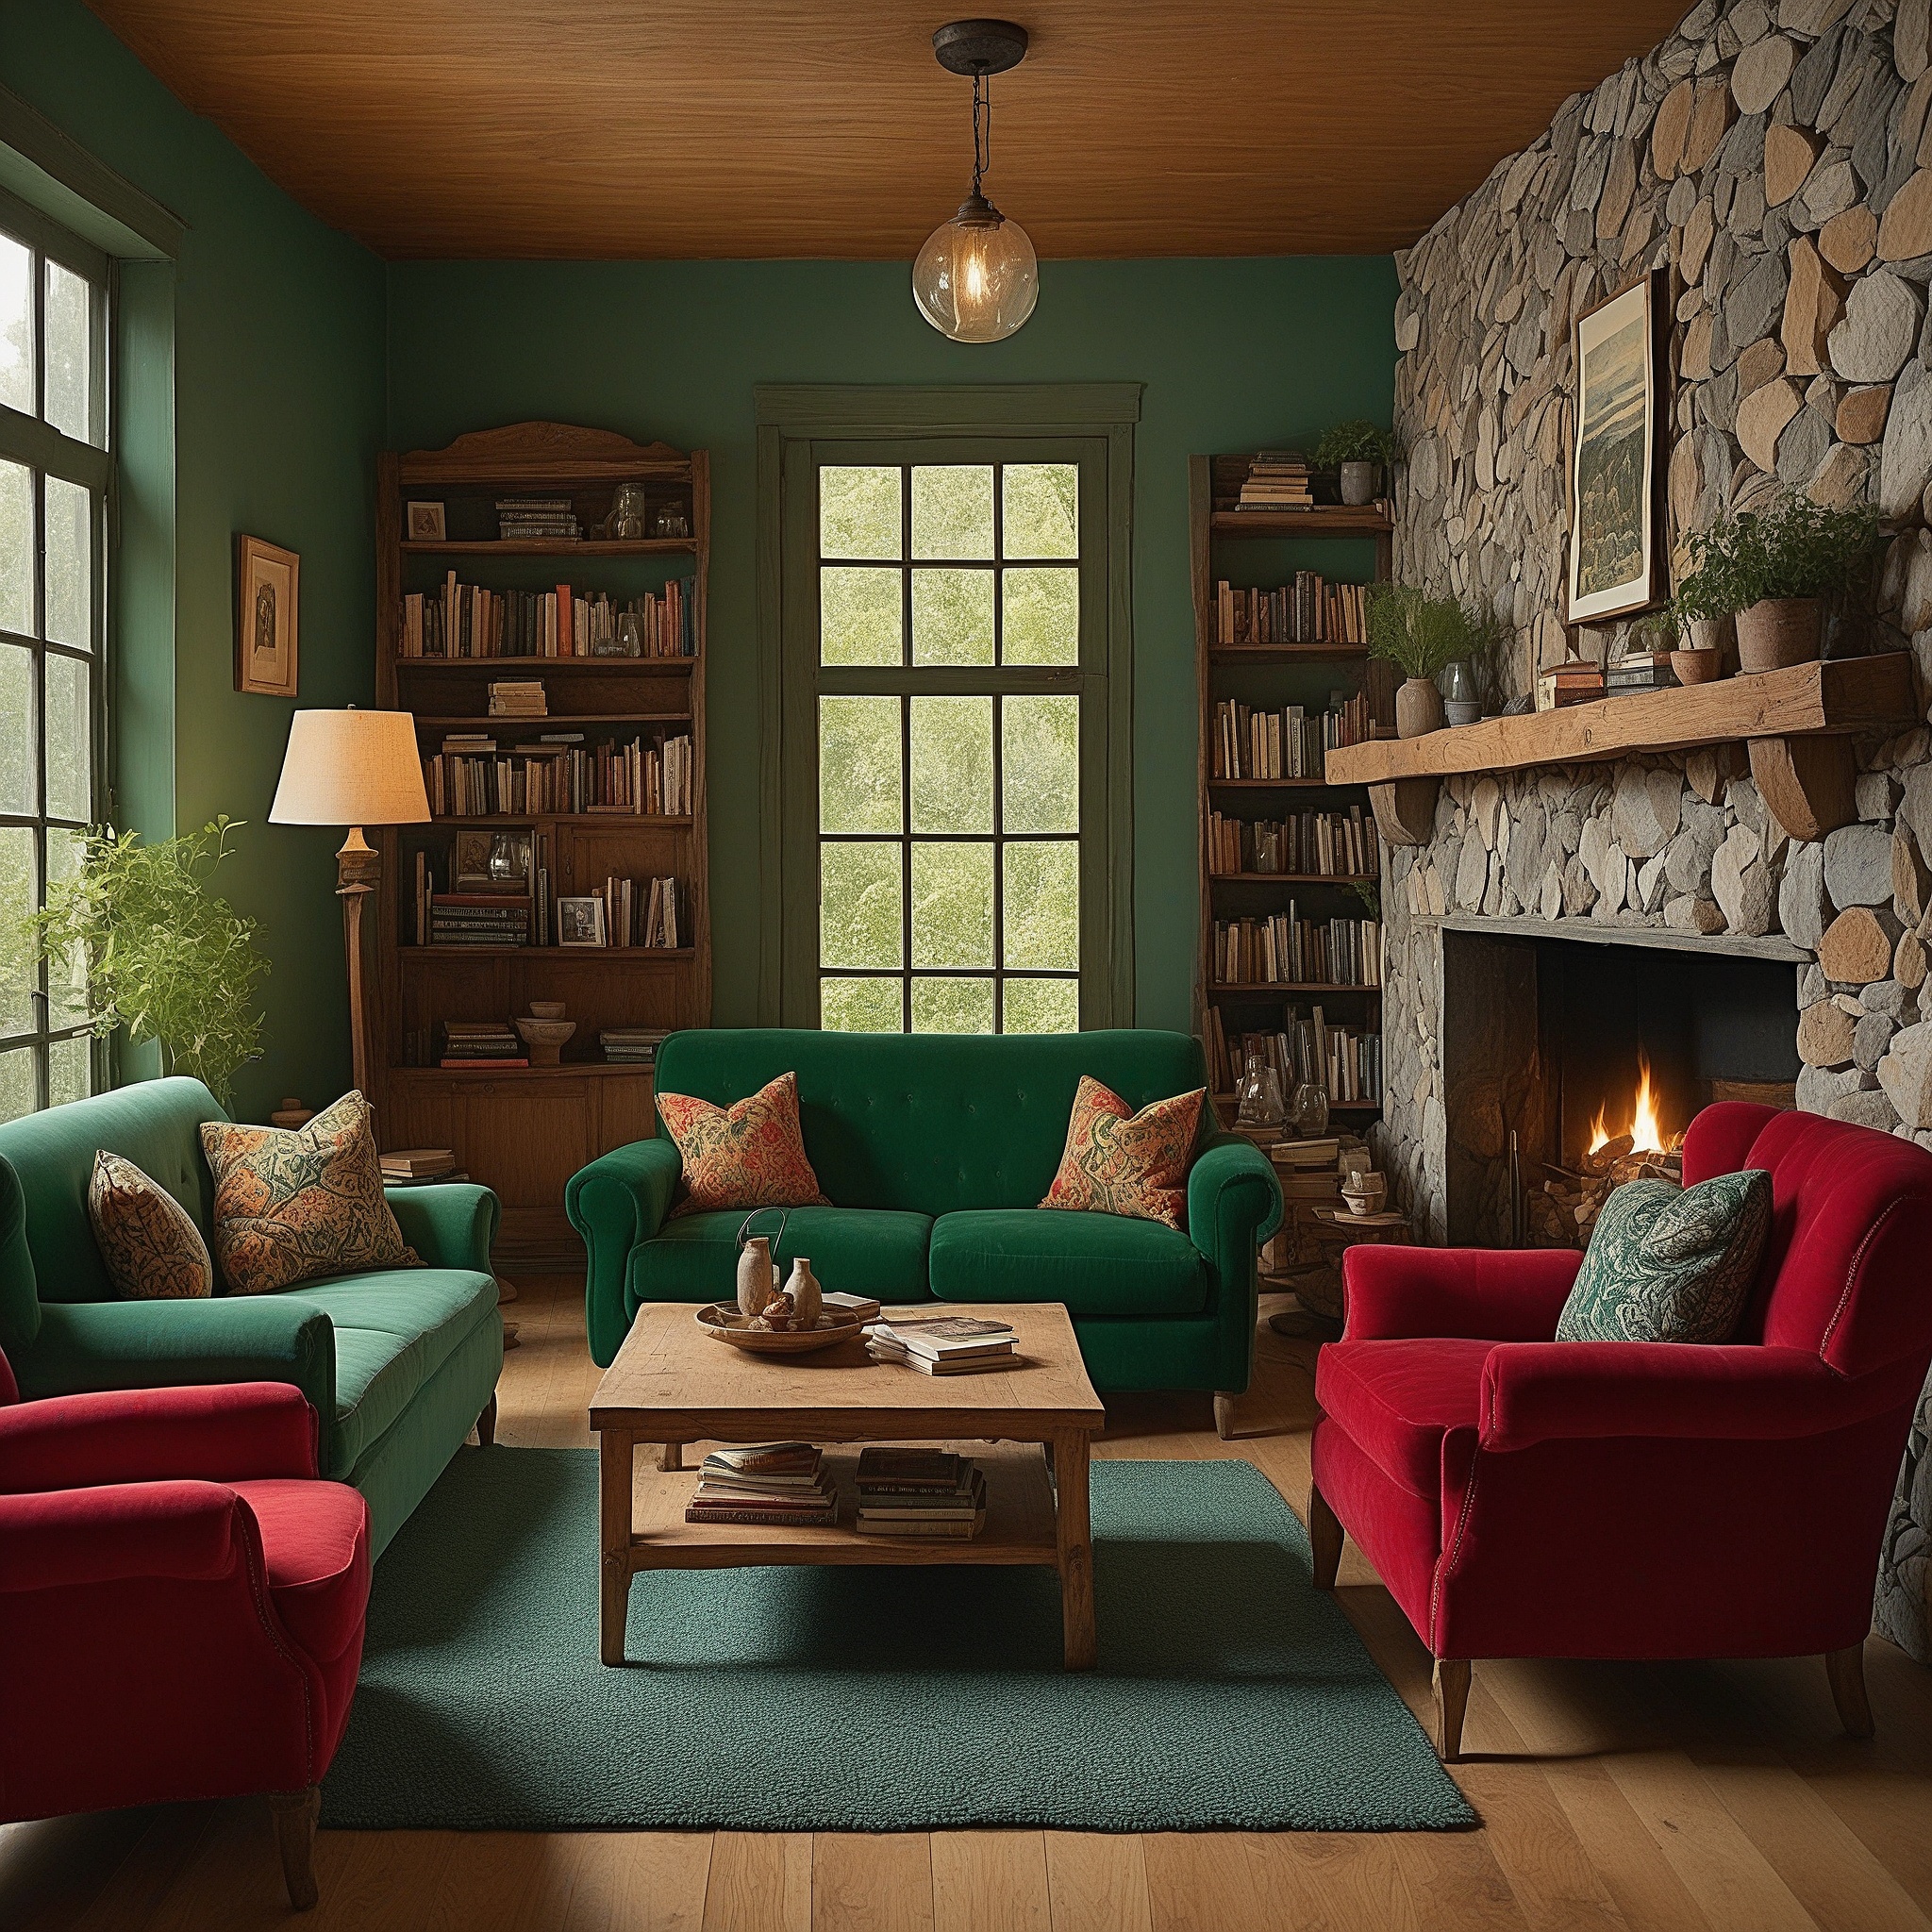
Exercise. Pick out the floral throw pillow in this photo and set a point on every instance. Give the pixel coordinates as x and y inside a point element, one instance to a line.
<point>748,1154</point>
<point>152,1250</point>
<point>290,1207</point>
<point>1118,1161</point>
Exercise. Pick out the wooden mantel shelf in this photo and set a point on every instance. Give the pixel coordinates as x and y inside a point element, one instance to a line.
<point>1798,722</point>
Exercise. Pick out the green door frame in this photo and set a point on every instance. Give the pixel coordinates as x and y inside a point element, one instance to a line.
<point>796,428</point>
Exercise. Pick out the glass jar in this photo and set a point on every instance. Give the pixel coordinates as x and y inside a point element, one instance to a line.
<point>1259,1093</point>
<point>629,514</point>
<point>1309,1111</point>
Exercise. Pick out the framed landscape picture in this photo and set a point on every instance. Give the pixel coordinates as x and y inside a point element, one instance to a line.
<point>267,605</point>
<point>1618,560</point>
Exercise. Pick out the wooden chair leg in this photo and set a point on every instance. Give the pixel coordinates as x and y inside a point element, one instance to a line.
<point>1452,1700</point>
<point>1846,1669</point>
<point>672,1458</point>
<point>295,1814</point>
<point>1224,1415</point>
<point>486,1422</point>
<point>1324,1538</point>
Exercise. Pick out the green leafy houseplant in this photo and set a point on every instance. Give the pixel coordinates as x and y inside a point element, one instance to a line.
<point>150,949</point>
<point>1357,441</point>
<point>1421,635</point>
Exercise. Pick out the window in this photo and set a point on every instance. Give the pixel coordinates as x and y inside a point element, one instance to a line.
<point>55,475</point>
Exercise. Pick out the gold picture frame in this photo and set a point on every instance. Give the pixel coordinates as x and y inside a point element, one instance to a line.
<point>268,610</point>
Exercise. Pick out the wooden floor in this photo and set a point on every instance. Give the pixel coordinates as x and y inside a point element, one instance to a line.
<point>1612,1796</point>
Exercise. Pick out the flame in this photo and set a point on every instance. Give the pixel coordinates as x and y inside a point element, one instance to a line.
<point>1646,1129</point>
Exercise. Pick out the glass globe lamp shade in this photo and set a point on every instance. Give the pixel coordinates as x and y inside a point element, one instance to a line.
<point>977,278</point>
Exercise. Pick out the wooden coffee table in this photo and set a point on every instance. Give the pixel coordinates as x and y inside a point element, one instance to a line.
<point>672,1384</point>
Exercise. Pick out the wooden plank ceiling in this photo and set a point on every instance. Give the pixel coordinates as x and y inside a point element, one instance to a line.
<point>583,128</point>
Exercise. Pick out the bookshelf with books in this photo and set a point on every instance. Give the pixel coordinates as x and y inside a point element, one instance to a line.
<point>540,610</point>
<point>1290,959</point>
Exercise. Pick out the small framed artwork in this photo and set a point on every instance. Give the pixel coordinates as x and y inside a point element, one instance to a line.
<point>426,523</point>
<point>1619,561</point>
<point>492,862</point>
<point>580,922</point>
<point>268,584</point>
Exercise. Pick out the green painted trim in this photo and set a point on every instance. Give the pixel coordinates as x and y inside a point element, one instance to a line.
<point>1039,409</point>
<point>770,592</point>
<point>52,172</point>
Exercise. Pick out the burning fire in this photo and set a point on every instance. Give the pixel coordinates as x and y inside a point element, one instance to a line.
<point>1646,1129</point>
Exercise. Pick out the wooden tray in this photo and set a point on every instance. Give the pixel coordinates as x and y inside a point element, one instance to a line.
<point>725,1323</point>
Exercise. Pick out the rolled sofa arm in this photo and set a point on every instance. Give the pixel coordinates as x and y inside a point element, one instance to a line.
<point>618,1202</point>
<point>120,1533</point>
<point>1234,1205</point>
<point>451,1224</point>
<point>1478,1294</point>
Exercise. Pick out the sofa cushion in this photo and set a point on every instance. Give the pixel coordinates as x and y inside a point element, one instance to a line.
<point>1118,1161</point>
<point>1398,1399</point>
<point>149,1241</point>
<point>748,1155</point>
<point>394,1329</point>
<point>1096,1264</point>
<point>852,1250</point>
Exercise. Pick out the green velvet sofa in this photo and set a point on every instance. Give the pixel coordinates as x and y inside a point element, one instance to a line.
<point>398,1364</point>
<point>935,1150</point>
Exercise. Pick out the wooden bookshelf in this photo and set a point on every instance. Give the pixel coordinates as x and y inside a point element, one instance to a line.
<point>525,1131</point>
<point>1273,675</point>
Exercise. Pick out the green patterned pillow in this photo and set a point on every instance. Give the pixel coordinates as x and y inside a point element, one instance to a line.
<point>1671,1264</point>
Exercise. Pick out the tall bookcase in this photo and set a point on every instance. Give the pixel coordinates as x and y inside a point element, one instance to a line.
<point>1270,677</point>
<point>525,1131</point>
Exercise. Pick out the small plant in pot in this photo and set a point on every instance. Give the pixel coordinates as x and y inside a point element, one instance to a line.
<point>1358,449</point>
<point>1774,568</point>
<point>1422,635</point>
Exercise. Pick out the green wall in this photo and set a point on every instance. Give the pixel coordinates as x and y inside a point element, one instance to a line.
<point>277,354</point>
<point>1234,354</point>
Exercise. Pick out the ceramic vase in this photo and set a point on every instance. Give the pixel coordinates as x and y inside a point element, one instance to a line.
<point>1418,708</point>
<point>757,1278</point>
<point>1778,631</point>
<point>1358,484</point>
<point>806,1300</point>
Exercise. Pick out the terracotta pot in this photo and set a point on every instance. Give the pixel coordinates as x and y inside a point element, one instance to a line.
<point>1695,667</point>
<point>1779,631</point>
<point>1418,708</point>
<point>1357,483</point>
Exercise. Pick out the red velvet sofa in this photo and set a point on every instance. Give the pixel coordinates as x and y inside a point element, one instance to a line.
<point>1526,1498</point>
<point>181,1604</point>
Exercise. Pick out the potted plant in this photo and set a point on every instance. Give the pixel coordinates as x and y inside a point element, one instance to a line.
<point>1357,449</point>
<point>146,946</point>
<point>1422,635</point>
<point>1774,569</point>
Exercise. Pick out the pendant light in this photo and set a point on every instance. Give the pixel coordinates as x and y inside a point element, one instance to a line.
<point>977,278</point>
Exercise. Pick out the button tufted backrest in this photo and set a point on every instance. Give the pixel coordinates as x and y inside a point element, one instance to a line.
<point>931,1122</point>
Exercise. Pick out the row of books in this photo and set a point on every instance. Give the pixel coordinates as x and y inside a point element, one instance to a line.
<point>1345,1061</point>
<point>550,519</point>
<point>639,912</point>
<point>469,621</point>
<point>941,1345</point>
<point>474,777</point>
<point>1286,949</point>
<point>1334,843</point>
<point>1311,611</point>
<point>482,1043</point>
<point>1288,743</point>
<point>1277,479</point>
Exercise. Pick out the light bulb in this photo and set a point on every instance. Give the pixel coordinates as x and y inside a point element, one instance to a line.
<point>977,278</point>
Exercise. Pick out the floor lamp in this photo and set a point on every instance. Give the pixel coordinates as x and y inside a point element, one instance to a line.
<point>352,768</point>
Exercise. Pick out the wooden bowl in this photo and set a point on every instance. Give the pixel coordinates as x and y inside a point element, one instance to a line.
<point>723,1323</point>
<point>1695,667</point>
<point>546,1009</point>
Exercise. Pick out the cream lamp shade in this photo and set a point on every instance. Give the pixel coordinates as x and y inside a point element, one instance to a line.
<point>351,768</point>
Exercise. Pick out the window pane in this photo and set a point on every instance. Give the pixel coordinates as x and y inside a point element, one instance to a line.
<point>1042,904</point>
<point>70,563</point>
<point>16,549</point>
<point>858,765</point>
<point>18,898</point>
<point>859,513</point>
<point>952,509</point>
<point>1040,764</point>
<point>69,1069</point>
<point>65,396</point>
<point>16,1083</point>
<point>16,326</point>
<point>859,906</point>
<point>952,765</point>
<point>952,1006</point>
<point>1043,616</point>
<point>66,990</point>
<point>16,729</point>
<point>952,905</point>
<point>952,617</point>
<point>1041,1005</point>
<point>1040,511</point>
<point>862,1006</point>
<point>861,620</point>
<point>70,750</point>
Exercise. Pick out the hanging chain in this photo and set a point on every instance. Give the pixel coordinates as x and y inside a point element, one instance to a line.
<point>982,129</point>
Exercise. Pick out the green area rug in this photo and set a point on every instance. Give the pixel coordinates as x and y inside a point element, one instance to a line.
<point>1229,1691</point>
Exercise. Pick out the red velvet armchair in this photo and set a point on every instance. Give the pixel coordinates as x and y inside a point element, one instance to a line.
<point>181,1604</point>
<point>1526,1498</point>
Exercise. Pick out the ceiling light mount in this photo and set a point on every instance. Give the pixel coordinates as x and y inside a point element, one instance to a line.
<point>979,47</point>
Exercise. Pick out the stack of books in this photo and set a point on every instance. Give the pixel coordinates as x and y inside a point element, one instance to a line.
<point>1277,479</point>
<point>418,1164</point>
<point>768,1482</point>
<point>518,697</point>
<point>479,919</point>
<point>921,1492</point>
<point>1575,681</point>
<point>1639,670</point>
<point>941,1345</point>
<point>1309,1170</point>
<point>631,1046</point>
<point>537,520</point>
<point>481,1044</point>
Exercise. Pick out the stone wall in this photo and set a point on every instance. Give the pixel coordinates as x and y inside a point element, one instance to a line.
<point>1776,156</point>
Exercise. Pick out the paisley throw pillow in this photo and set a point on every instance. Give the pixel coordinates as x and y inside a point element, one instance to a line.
<point>1118,1161</point>
<point>1671,1264</point>
<point>290,1207</point>
<point>152,1250</point>
<point>748,1154</point>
